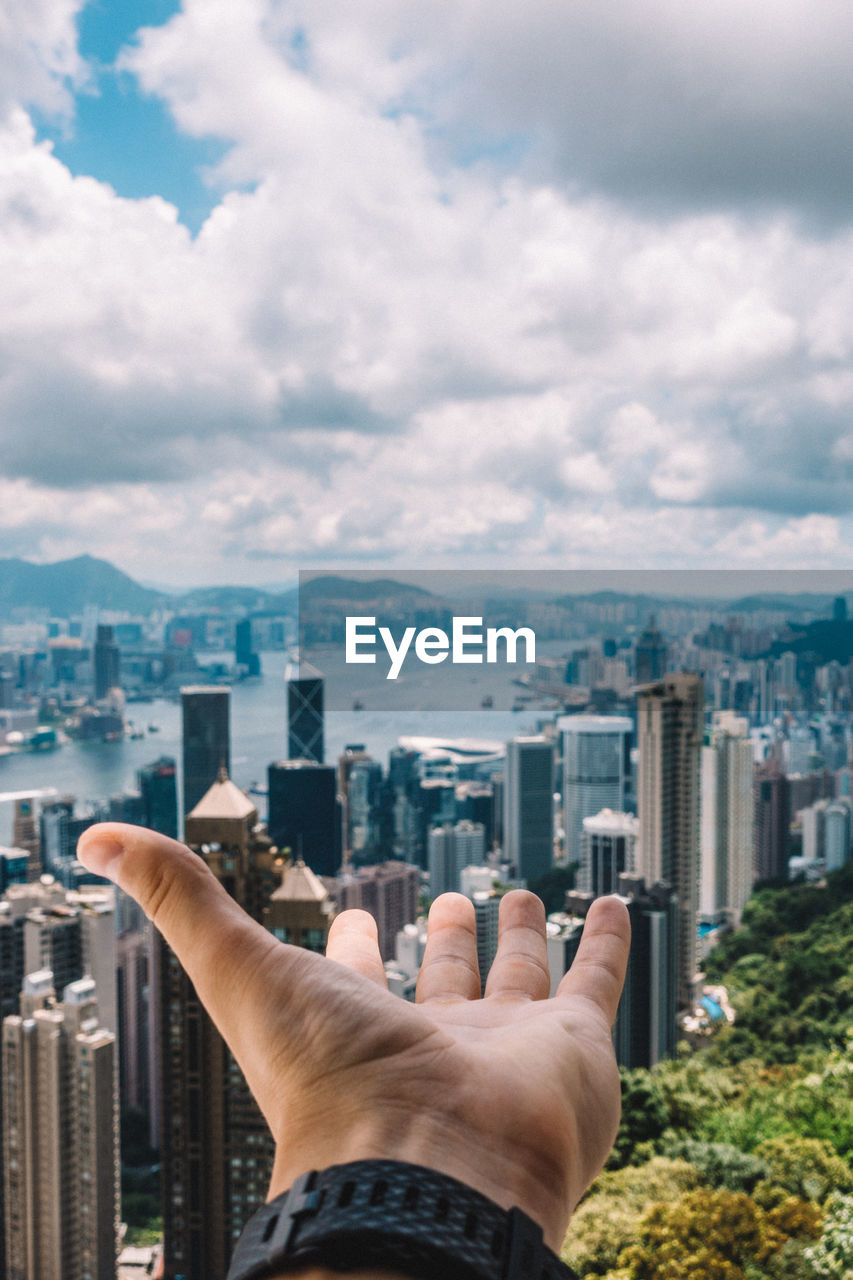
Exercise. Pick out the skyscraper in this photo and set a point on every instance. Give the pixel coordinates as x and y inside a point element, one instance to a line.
<point>529,806</point>
<point>650,654</point>
<point>453,846</point>
<point>157,784</point>
<point>670,724</point>
<point>305,719</point>
<point>304,813</point>
<point>728,818</point>
<point>772,821</point>
<point>645,1029</point>
<point>106,661</point>
<point>596,769</point>
<point>608,850</point>
<point>216,1149</point>
<point>25,834</point>
<point>388,890</point>
<point>60,1135</point>
<point>206,739</point>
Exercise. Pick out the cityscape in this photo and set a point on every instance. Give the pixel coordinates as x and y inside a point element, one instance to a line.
<point>679,752</point>
<point>427,465</point>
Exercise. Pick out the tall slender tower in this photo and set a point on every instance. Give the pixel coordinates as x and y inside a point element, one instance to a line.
<point>206,739</point>
<point>305,718</point>
<point>670,716</point>
<point>728,819</point>
<point>60,1141</point>
<point>529,806</point>
<point>216,1148</point>
<point>596,767</point>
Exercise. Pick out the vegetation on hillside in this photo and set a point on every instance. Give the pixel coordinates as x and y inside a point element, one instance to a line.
<point>736,1162</point>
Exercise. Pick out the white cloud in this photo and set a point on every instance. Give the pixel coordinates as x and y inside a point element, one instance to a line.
<point>373,349</point>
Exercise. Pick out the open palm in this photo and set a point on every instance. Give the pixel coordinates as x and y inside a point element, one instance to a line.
<point>515,1094</point>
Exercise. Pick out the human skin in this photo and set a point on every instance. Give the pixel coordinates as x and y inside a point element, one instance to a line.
<point>514,1094</point>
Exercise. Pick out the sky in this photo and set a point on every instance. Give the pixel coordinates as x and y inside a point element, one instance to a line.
<point>291,284</point>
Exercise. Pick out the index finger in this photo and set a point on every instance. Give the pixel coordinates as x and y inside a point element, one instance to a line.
<point>598,969</point>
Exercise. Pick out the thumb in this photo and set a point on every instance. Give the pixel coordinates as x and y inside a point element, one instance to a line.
<point>221,948</point>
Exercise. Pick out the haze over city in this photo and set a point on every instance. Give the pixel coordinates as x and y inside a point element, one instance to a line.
<point>289,284</point>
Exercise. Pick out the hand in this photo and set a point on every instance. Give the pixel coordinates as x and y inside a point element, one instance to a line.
<point>515,1094</point>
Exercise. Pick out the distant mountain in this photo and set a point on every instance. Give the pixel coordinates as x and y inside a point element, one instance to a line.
<point>331,587</point>
<point>66,587</point>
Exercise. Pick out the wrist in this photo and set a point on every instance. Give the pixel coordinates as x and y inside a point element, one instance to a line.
<point>510,1173</point>
<point>391,1219</point>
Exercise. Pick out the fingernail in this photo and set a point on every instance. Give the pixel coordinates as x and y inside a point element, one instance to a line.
<point>102,854</point>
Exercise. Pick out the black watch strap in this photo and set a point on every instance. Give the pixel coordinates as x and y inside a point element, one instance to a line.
<point>386,1213</point>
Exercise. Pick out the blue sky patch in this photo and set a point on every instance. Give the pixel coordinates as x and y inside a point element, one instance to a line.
<point>122,137</point>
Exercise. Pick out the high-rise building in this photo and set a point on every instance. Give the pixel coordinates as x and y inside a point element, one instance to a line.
<point>106,661</point>
<point>206,739</point>
<point>529,806</point>
<point>596,770</point>
<point>453,846</point>
<point>388,890</point>
<point>301,909</point>
<point>305,719</point>
<point>244,653</point>
<point>650,654</point>
<point>25,834</point>
<point>670,717</point>
<point>157,784</point>
<point>216,1149</point>
<point>728,818</point>
<point>60,1135</point>
<point>608,850</point>
<point>304,813</point>
<point>487,903</point>
<point>645,1030</point>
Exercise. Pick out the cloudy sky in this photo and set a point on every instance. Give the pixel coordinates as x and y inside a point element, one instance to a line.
<point>297,283</point>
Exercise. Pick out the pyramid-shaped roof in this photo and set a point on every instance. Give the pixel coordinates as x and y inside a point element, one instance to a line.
<point>224,800</point>
<point>300,884</point>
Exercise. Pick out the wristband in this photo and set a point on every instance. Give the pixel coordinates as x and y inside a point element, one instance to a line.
<point>386,1213</point>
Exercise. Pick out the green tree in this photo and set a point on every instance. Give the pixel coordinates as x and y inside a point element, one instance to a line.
<point>832,1256</point>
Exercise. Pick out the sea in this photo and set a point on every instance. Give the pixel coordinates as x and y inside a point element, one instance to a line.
<point>94,771</point>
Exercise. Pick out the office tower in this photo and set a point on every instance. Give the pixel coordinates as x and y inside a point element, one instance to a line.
<point>475,801</point>
<point>837,833</point>
<point>127,807</point>
<point>244,654</point>
<point>529,806</point>
<point>216,1149</point>
<point>650,654</point>
<point>25,834</point>
<point>388,890</point>
<point>645,1029</point>
<point>452,847</point>
<point>728,816</point>
<point>305,719</point>
<point>14,865</point>
<point>608,850</point>
<point>301,909</point>
<point>670,725</point>
<point>364,796</point>
<point>60,1135</point>
<point>132,983</point>
<point>105,657</point>
<point>206,739</point>
<point>839,609</point>
<point>486,911</point>
<point>304,813</point>
<point>157,783</point>
<point>596,767</point>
